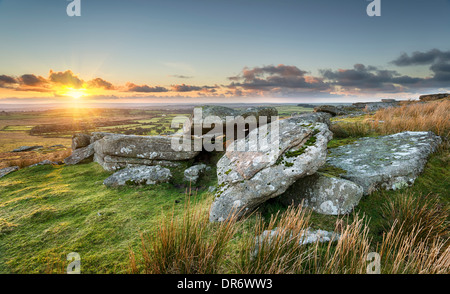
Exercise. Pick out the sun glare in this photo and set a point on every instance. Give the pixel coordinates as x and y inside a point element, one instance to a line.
<point>76,93</point>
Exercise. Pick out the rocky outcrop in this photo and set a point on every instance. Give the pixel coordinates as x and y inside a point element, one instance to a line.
<point>385,162</point>
<point>115,151</point>
<point>80,140</point>
<point>247,179</point>
<point>27,148</point>
<point>81,155</point>
<point>193,173</point>
<point>374,106</point>
<point>323,193</point>
<point>220,114</point>
<point>433,97</point>
<point>8,170</point>
<point>315,117</point>
<point>337,110</point>
<point>142,175</point>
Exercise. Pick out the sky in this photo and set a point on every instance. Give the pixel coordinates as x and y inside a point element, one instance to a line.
<point>224,50</point>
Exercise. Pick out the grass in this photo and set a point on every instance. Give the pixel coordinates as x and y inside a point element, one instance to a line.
<point>433,116</point>
<point>51,211</point>
<point>47,212</point>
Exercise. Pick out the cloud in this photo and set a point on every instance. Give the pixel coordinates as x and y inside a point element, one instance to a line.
<point>7,81</point>
<point>100,83</point>
<point>181,77</point>
<point>145,89</point>
<point>422,58</point>
<point>189,88</point>
<point>267,78</point>
<point>67,78</point>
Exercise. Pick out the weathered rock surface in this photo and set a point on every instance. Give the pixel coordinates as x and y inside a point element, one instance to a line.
<point>80,140</point>
<point>143,147</point>
<point>85,154</point>
<point>386,162</point>
<point>193,173</point>
<point>142,175</point>
<point>114,163</point>
<point>314,117</point>
<point>115,151</point>
<point>8,170</point>
<point>374,106</point>
<point>247,179</point>
<point>433,97</point>
<point>27,148</point>
<point>324,194</point>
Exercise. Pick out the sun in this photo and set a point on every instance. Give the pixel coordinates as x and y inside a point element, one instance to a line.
<point>75,93</point>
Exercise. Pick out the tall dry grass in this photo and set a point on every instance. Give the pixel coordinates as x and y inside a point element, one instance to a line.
<point>190,245</point>
<point>29,158</point>
<point>278,253</point>
<point>432,116</point>
<point>423,214</point>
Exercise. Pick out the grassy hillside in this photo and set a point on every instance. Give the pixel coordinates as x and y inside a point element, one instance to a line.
<point>47,212</point>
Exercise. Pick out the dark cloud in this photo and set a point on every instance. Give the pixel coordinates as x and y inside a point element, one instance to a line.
<point>100,83</point>
<point>422,58</point>
<point>67,78</point>
<point>274,77</point>
<point>32,80</point>
<point>145,89</point>
<point>189,88</point>
<point>362,77</point>
<point>180,77</point>
<point>7,81</point>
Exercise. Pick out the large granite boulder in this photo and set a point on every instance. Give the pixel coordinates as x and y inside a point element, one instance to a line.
<point>141,175</point>
<point>115,151</point>
<point>8,170</point>
<point>374,106</point>
<point>314,117</point>
<point>385,162</point>
<point>249,178</point>
<point>81,155</point>
<point>324,193</point>
<point>210,114</point>
<point>80,140</point>
<point>337,110</point>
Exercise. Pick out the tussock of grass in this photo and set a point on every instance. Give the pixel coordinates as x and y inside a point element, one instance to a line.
<point>184,246</point>
<point>423,214</point>
<point>432,116</point>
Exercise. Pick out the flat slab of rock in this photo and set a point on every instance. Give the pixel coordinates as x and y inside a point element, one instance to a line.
<point>114,163</point>
<point>385,162</point>
<point>80,155</point>
<point>247,179</point>
<point>143,147</point>
<point>8,170</point>
<point>142,175</point>
<point>324,194</point>
<point>26,148</point>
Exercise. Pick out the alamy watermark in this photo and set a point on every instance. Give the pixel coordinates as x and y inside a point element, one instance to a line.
<point>374,8</point>
<point>74,8</point>
<point>74,267</point>
<point>244,134</point>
